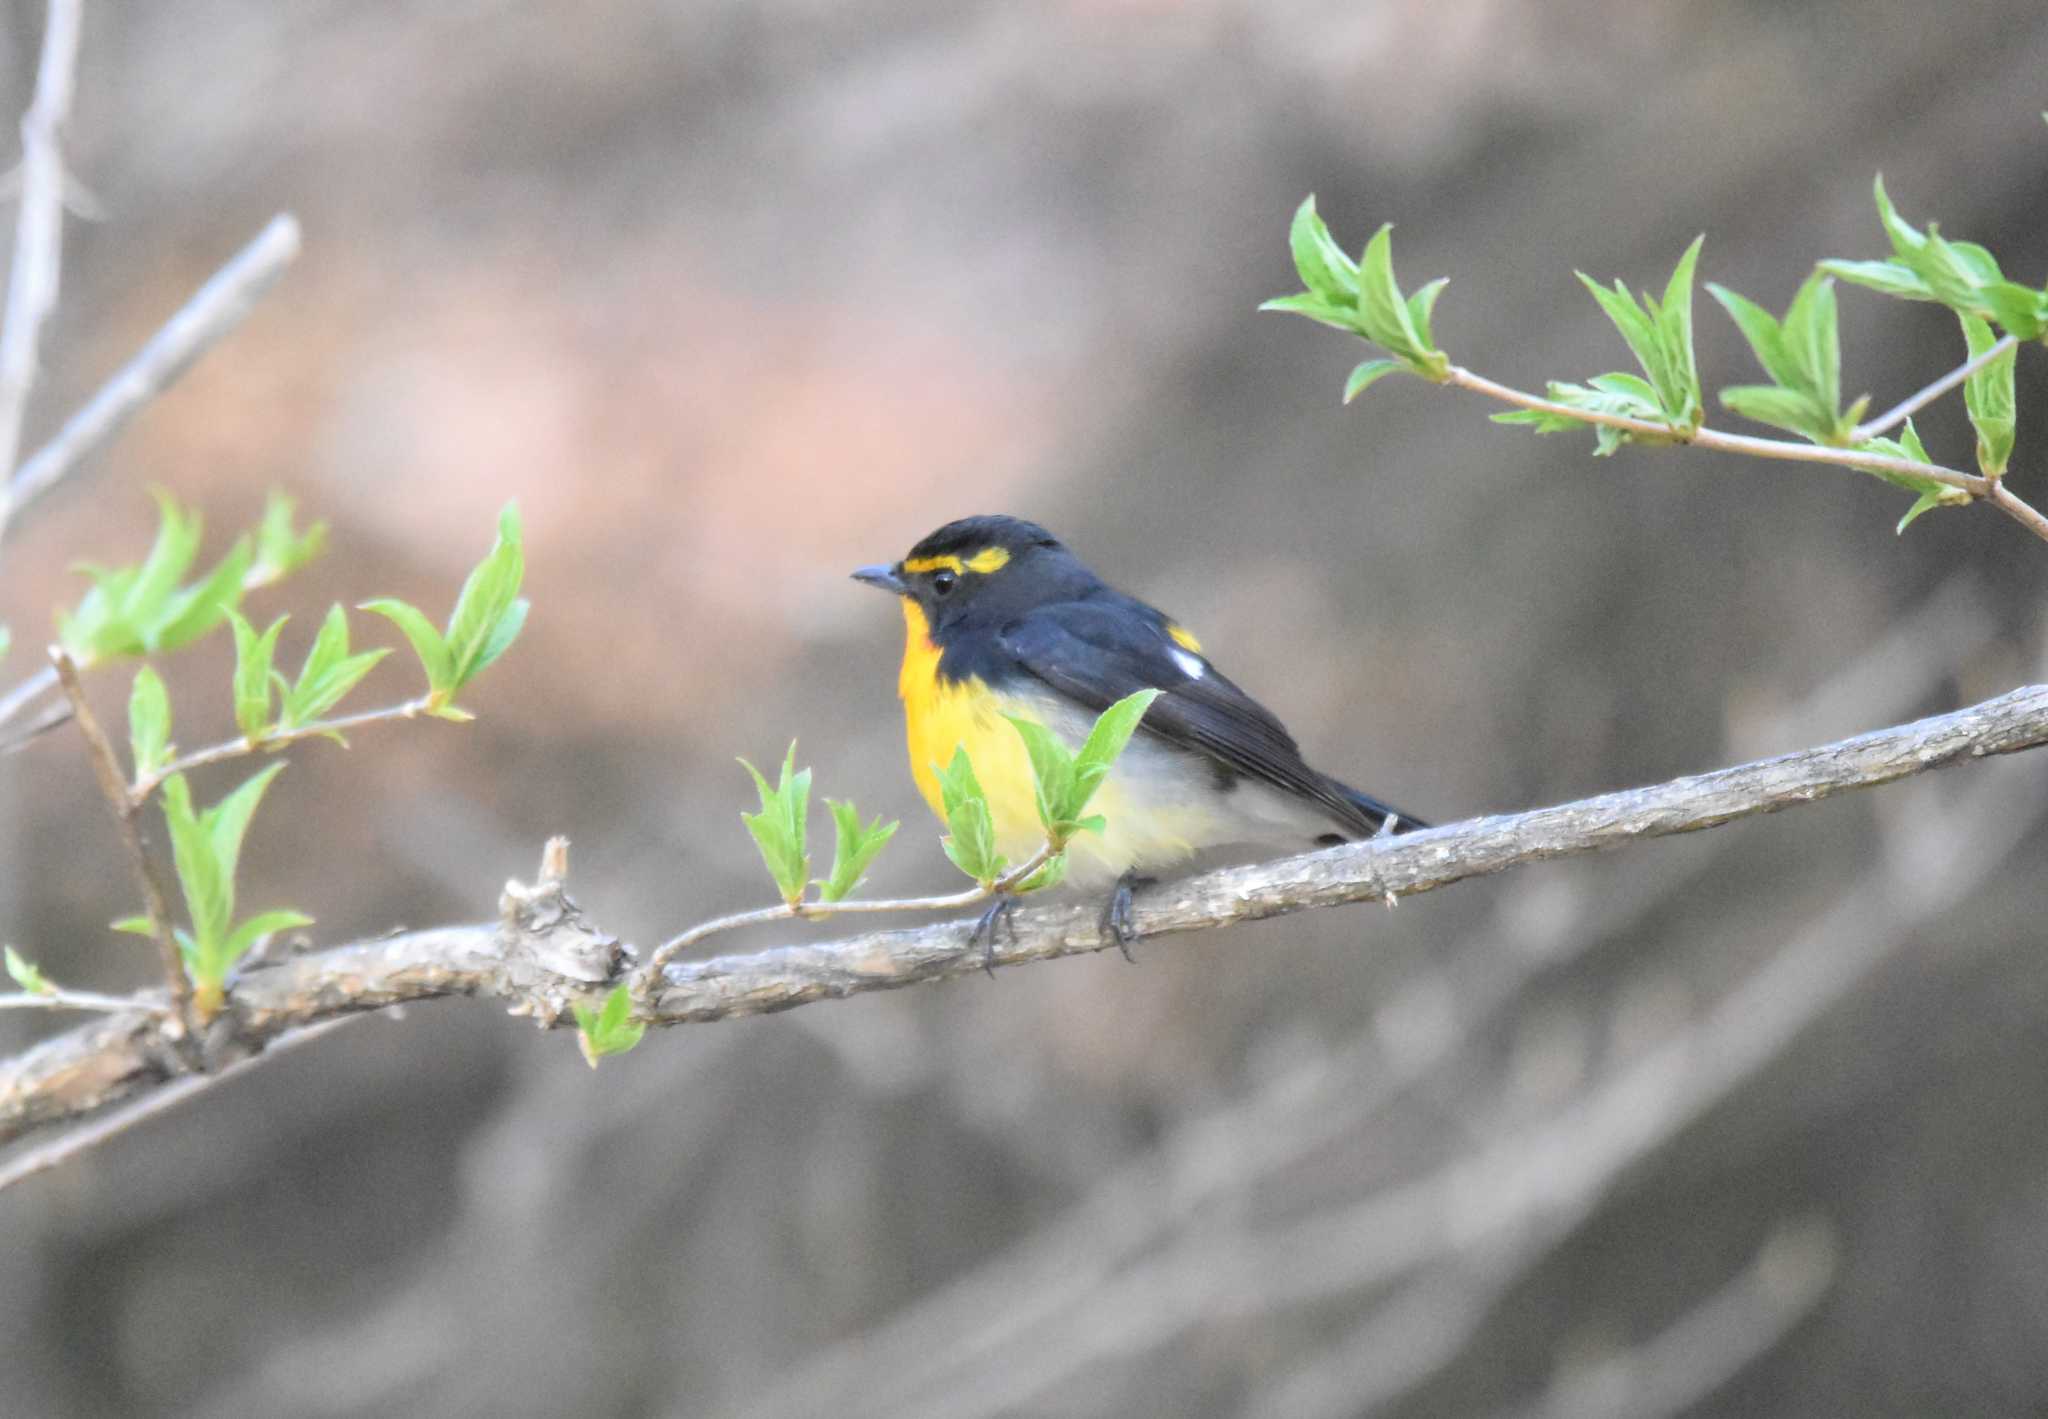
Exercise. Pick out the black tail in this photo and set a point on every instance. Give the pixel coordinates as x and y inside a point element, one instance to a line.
<point>1381,817</point>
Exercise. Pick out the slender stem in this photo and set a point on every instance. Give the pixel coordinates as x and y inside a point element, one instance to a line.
<point>1989,490</point>
<point>137,794</point>
<point>1913,403</point>
<point>58,998</point>
<point>650,974</point>
<point>70,1145</point>
<point>114,785</point>
<point>216,308</point>
<point>27,693</point>
<point>38,232</point>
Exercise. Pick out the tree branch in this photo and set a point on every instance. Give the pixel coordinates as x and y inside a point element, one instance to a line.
<point>106,766</point>
<point>38,231</point>
<point>216,308</point>
<point>542,955</point>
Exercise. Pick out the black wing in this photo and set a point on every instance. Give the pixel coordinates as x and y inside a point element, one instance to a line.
<point>1099,650</point>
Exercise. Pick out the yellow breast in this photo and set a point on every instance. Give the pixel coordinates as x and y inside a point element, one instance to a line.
<point>940,716</point>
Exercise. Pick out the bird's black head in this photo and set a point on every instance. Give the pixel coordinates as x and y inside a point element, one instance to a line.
<point>981,570</point>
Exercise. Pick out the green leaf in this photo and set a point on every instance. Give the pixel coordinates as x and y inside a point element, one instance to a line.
<point>1316,309</point>
<point>2022,310</point>
<point>854,848</point>
<point>1422,304</point>
<point>27,975</point>
<point>137,925</point>
<point>1926,502</point>
<point>252,682</point>
<point>1761,329</point>
<point>1112,730</point>
<point>208,890</point>
<point>609,1029</point>
<point>1682,401</point>
<point>228,821</point>
<point>427,643</point>
<point>1814,345</point>
<point>1988,394</point>
<point>328,674</point>
<point>971,841</point>
<point>1636,328</point>
<point>1367,374</point>
<point>1052,772</point>
<point>1892,278</point>
<point>779,828</point>
<point>1382,314</point>
<point>1781,408</point>
<point>489,596</point>
<point>1324,268</point>
<point>195,610</point>
<point>279,549</point>
<point>1622,394</point>
<point>149,723</point>
<point>263,924</point>
<point>177,543</point>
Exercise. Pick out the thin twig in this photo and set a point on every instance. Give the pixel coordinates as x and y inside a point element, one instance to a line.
<point>136,795</point>
<point>1913,403</point>
<point>58,998</point>
<point>1715,439</point>
<point>38,231</point>
<point>114,785</point>
<point>27,693</point>
<point>91,1135</point>
<point>650,974</point>
<point>214,309</point>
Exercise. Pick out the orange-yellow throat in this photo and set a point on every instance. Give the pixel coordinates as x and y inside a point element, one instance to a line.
<point>941,715</point>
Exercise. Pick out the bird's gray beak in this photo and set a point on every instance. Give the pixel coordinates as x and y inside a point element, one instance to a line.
<point>883,577</point>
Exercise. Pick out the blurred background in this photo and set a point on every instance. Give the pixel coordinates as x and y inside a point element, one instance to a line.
<point>736,295</point>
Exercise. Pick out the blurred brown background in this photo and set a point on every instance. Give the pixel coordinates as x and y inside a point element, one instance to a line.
<point>733,297</point>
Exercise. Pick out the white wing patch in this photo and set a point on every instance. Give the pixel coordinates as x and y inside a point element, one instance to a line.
<point>1189,663</point>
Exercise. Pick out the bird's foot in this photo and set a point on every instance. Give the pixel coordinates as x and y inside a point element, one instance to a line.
<point>1001,914</point>
<point>1116,914</point>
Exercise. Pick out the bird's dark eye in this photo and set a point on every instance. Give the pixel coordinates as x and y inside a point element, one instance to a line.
<point>943,582</point>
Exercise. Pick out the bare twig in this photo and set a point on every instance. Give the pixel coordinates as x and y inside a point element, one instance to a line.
<point>137,794</point>
<point>214,309</point>
<point>38,230</point>
<point>27,693</point>
<point>650,974</point>
<point>544,956</point>
<point>65,1147</point>
<point>113,784</point>
<point>1913,403</point>
<point>59,998</point>
<point>1989,490</point>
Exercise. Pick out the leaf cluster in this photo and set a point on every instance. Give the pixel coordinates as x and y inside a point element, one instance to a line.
<point>487,618</point>
<point>1362,298</point>
<point>149,607</point>
<point>267,704</point>
<point>1659,334</point>
<point>1926,266</point>
<point>607,1029</point>
<point>1064,780</point>
<point>206,847</point>
<point>780,831</point>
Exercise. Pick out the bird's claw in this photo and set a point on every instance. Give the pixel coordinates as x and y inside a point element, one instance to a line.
<point>1116,915</point>
<point>1001,913</point>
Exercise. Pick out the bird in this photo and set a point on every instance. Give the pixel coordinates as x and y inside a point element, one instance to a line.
<point>1001,618</point>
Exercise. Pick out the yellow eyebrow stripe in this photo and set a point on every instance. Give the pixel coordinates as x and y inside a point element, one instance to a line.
<point>988,559</point>
<point>1183,637</point>
<point>933,564</point>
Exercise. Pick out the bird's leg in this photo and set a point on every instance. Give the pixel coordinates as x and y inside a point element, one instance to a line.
<point>1116,915</point>
<point>1001,913</point>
